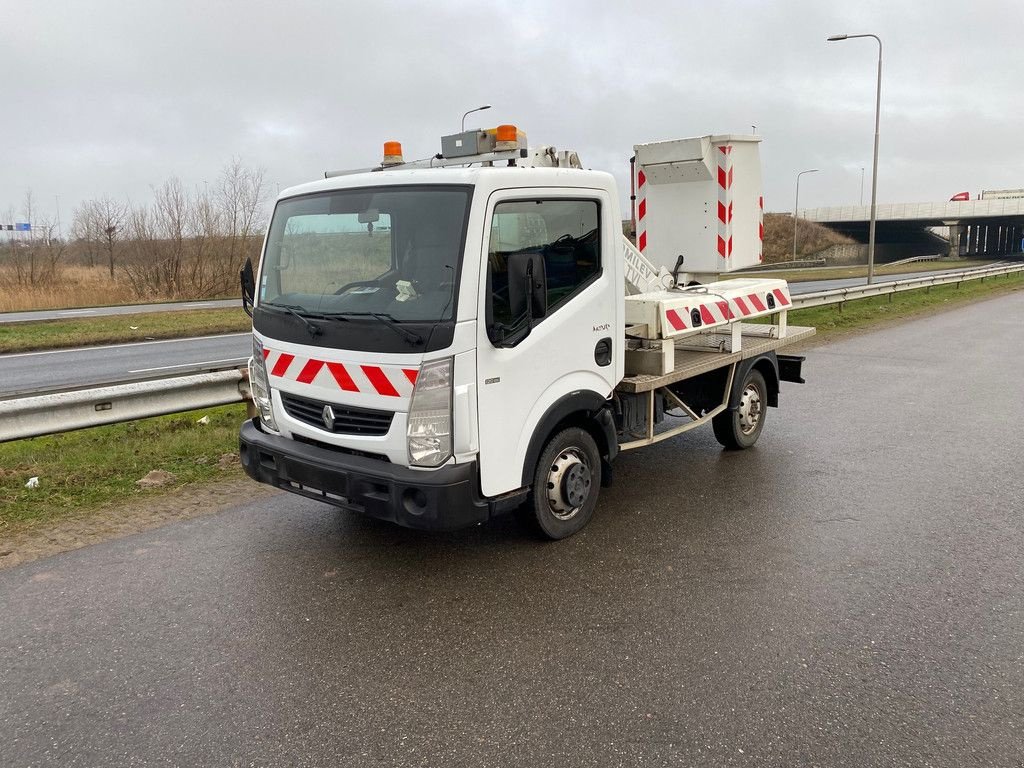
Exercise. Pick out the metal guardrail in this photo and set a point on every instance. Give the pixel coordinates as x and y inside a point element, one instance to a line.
<point>840,295</point>
<point>913,260</point>
<point>54,412</point>
<point>780,266</point>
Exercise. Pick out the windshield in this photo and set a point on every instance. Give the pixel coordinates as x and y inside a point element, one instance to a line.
<point>391,251</point>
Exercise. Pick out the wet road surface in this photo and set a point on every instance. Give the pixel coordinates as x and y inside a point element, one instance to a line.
<point>848,593</point>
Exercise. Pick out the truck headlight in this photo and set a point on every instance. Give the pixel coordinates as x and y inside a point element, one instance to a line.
<point>261,385</point>
<point>429,434</point>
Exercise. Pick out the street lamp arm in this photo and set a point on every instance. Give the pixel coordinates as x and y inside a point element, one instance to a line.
<point>471,111</point>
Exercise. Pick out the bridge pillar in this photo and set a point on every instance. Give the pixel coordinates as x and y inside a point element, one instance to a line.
<point>957,233</point>
<point>972,240</point>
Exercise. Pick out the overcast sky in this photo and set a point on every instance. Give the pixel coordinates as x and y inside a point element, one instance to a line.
<point>110,98</point>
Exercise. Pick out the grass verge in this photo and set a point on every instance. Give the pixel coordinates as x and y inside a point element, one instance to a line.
<point>86,469</point>
<point>117,329</point>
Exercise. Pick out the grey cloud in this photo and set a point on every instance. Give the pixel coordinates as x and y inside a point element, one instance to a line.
<point>109,98</point>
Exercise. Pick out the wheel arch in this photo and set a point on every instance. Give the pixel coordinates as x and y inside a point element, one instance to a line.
<point>585,409</point>
<point>768,366</point>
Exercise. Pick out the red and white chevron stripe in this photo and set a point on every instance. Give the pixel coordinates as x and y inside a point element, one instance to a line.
<point>717,310</point>
<point>725,201</point>
<point>641,211</point>
<point>760,228</point>
<point>389,381</point>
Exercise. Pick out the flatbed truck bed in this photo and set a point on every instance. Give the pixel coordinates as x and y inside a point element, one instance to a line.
<point>696,356</point>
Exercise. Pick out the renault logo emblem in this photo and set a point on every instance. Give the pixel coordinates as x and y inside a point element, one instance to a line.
<point>328,416</point>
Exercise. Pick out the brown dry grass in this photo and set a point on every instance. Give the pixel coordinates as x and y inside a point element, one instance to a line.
<point>78,286</point>
<point>811,238</point>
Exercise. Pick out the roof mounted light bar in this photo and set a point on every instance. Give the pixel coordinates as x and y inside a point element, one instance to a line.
<point>504,158</point>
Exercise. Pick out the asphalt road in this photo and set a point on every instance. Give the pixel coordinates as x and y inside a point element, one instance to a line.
<point>848,593</point>
<point>69,368</point>
<point>129,309</point>
<point>28,372</point>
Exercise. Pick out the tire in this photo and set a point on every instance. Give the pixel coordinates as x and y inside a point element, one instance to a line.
<point>566,483</point>
<point>739,428</point>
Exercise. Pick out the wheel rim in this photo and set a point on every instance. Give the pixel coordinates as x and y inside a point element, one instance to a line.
<point>751,408</point>
<point>568,483</point>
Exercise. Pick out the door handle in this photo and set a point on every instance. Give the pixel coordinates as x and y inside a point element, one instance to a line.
<point>603,352</point>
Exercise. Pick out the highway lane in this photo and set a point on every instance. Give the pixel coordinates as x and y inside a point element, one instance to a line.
<point>96,365</point>
<point>848,593</point>
<point>129,309</point>
<point>68,368</point>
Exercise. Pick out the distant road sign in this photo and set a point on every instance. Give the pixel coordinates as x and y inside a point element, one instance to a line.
<point>23,226</point>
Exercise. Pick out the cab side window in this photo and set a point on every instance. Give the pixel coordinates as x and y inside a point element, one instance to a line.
<point>566,233</point>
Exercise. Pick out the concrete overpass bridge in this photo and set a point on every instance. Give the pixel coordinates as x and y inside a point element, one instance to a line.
<point>976,227</point>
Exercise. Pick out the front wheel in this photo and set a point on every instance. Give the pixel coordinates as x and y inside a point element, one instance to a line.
<point>566,483</point>
<point>738,429</point>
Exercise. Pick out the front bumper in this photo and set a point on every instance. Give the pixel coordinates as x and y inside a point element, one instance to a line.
<point>442,499</point>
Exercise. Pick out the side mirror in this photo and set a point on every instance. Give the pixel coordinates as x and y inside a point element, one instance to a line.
<point>248,287</point>
<point>527,298</point>
<point>527,285</point>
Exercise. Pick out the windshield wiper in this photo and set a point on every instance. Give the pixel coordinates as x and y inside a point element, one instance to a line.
<point>314,329</point>
<point>388,320</point>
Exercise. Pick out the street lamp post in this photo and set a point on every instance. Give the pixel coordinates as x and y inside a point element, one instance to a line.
<point>796,205</point>
<point>471,111</point>
<point>874,164</point>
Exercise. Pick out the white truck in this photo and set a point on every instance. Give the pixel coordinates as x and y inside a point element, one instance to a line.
<point>440,341</point>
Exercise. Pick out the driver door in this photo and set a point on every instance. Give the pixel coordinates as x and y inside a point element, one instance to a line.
<point>572,231</point>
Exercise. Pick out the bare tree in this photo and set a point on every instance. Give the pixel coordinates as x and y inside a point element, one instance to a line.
<point>86,232</point>
<point>142,262</point>
<point>185,243</point>
<point>240,196</point>
<point>110,220</point>
<point>171,219</point>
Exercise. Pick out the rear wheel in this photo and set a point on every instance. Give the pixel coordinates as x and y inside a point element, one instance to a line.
<point>738,429</point>
<point>566,483</point>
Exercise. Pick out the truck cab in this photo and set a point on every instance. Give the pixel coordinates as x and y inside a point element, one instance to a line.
<point>416,333</point>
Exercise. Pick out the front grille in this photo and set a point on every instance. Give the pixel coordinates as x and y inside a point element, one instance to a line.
<point>347,420</point>
<point>341,449</point>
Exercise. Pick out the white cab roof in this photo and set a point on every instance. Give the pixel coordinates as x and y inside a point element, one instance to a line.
<point>483,178</point>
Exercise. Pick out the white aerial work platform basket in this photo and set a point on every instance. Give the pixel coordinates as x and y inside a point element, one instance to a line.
<point>700,198</point>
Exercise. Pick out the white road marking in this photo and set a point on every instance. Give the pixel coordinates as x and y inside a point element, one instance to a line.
<point>115,346</point>
<point>186,365</point>
<point>79,312</point>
